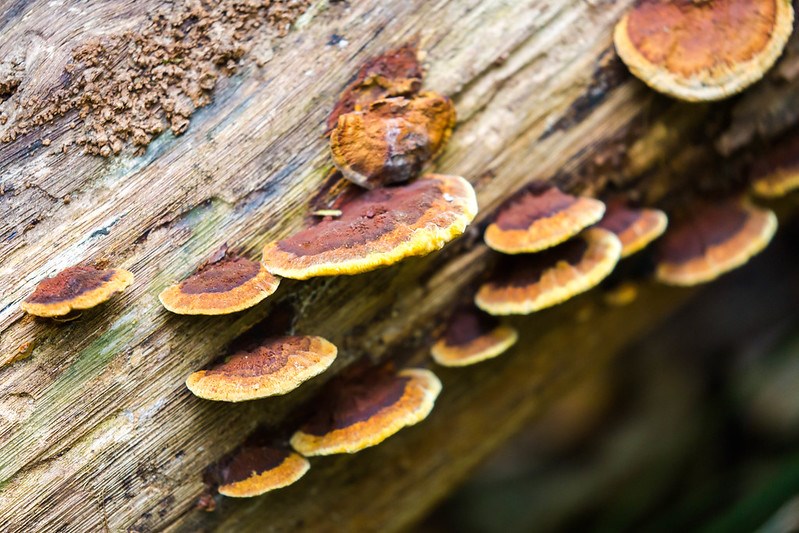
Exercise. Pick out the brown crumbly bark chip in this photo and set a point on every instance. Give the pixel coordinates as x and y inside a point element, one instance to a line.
<point>74,289</point>
<point>703,49</point>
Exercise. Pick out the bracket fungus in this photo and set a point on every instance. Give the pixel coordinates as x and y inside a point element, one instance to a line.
<point>377,228</point>
<point>700,50</point>
<point>397,72</point>
<point>256,470</point>
<point>713,240</point>
<point>777,173</point>
<point>365,410</point>
<point>537,281</point>
<point>472,337</point>
<point>225,284</point>
<point>635,227</point>
<point>391,140</point>
<point>75,288</point>
<point>541,217</point>
<point>277,367</point>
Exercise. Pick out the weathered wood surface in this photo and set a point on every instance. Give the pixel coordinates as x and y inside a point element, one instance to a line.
<point>96,427</point>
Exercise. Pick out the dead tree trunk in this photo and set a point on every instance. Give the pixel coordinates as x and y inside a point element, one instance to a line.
<point>97,429</point>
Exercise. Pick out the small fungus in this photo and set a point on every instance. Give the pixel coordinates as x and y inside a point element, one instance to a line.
<point>392,140</point>
<point>713,240</point>
<point>700,50</point>
<point>541,217</point>
<point>255,470</point>
<point>472,337</point>
<point>278,366</point>
<point>776,173</point>
<point>363,411</point>
<point>75,288</point>
<point>534,282</point>
<point>394,73</point>
<point>378,228</point>
<point>225,284</point>
<point>635,228</point>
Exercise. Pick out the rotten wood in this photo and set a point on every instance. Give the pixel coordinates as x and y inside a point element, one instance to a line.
<point>96,427</point>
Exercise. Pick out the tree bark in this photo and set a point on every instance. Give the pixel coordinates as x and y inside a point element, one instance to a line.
<point>96,426</point>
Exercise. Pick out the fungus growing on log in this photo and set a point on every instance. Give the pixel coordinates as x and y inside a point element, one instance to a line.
<point>277,367</point>
<point>472,337</point>
<point>703,49</point>
<point>714,239</point>
<point>377,228</point>
<point>363,410</point>
<point>634,227</point>
<point>394,73</point>
<point>224,284</point>
<point>529,283</point>
<point>75,288</point>
<point>391,140</point>
<point>776,173</point>
<point>256,470</point>
<point>541,217</point>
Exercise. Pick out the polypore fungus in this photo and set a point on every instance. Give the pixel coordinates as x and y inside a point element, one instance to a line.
<point>714,239</point>
<point>391,140</point>
<point>223,285</point>
<point>776,173</point>
<point>395,73</point>
<point>472,337</point>
<point>277,367</point>
<point>377,228</point>
<point>635,227</point>
<point>539,218</point>
<point>703,49</point>
<point>75,288</point>
<point>363,411</point>
<point>529,283</point>
<point>255,470</point>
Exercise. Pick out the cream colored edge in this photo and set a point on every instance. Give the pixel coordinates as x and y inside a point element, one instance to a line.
<point>441,357</point>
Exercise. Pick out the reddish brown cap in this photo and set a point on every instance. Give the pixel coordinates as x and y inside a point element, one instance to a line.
<point>539,218</point>
<point>471,337</point>
<point>75,288</point>
<point>255,470</point>
<point>776,173</point>
<point>357,414</point>
<point>378,228</point>
<point>395,73</point>
<point>277,367</point>
<point>714,239</point>
<point>225,284</point>
<point>703,49</point>
<point>635,227</point>
<point>534,282</point>
<point>392,140</point>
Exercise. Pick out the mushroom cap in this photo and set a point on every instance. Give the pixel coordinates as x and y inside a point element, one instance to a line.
<point>541,218</point>
<point>277,367</point>
<point>634,227</point>
<point>777,172</point>
<point>700,50</point>
<point>713,240</point>
<point>75,288</point>
<point>378,228</point>
<point>394,73</point>
<point>392,140</point>
<point>357,415</point>
<point>220,287</point>
<point>472,337</point>
<point>535,282</point>
<point>255,470</point>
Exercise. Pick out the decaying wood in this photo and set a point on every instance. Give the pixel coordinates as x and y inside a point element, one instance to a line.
<point>96,427</point>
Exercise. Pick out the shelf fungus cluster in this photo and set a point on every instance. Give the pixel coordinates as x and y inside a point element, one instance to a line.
<point>75,288</point>
<point>698,50</point>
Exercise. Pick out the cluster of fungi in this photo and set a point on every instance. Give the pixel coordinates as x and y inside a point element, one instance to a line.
<point>553,245</point>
